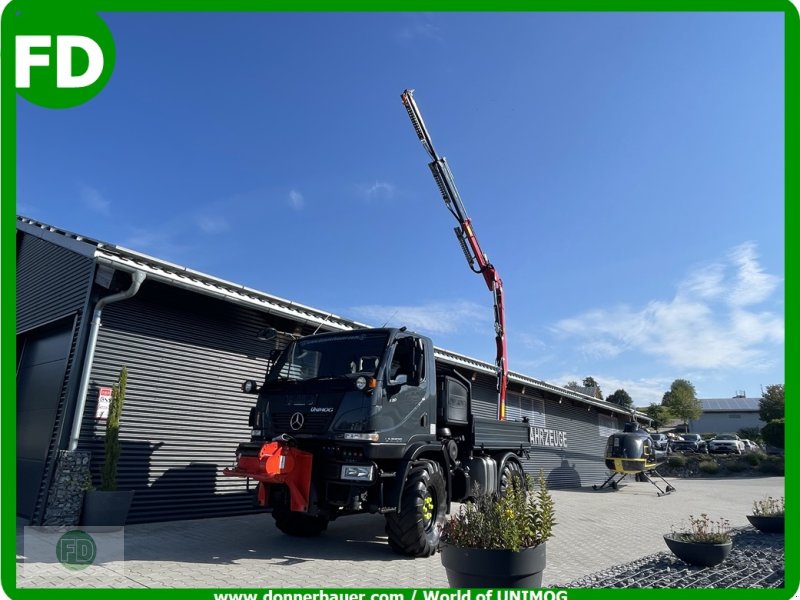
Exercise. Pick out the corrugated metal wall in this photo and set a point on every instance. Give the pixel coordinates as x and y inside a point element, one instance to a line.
<point>185,413</point>
<point>52,284</point>
<point>580,462</point>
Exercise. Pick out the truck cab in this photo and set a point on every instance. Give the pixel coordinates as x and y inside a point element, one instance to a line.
<point>376,386</point>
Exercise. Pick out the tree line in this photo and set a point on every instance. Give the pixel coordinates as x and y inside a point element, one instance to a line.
<point>680,402</point>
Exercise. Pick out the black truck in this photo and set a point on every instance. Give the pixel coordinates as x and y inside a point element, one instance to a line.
<point>367,421</point>
<point>364,421</point>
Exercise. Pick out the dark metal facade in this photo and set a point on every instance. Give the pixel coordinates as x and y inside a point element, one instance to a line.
<point>570,443</point>
<point>184,414</point>
<point>53,286</point>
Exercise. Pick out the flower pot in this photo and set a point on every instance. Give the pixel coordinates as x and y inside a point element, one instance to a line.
<point>481,568</point>
<point>767,523</point>
<point>107,510</point>
<point>696,553</point>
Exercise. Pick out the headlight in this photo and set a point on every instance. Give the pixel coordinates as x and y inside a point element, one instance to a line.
<point>357,472</point>
<point>363,383</point>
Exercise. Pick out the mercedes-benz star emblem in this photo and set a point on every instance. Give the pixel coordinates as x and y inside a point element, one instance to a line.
<point>296,421</point>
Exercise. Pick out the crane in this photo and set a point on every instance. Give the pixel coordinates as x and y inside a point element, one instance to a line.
<point>477,259</point>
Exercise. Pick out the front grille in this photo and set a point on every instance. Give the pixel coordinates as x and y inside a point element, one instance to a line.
<point>313,423</point>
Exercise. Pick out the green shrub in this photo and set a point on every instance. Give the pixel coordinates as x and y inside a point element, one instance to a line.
<point>676,461</point>
<point>737,466</point>
<point>769,507</point>
<point>702,530</point>
<point>753,458</point>
<point>709,467</point>
<point>772,465</point>
<point>773,433</point>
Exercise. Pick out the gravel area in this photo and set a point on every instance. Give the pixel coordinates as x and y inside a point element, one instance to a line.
<point>756,561</point>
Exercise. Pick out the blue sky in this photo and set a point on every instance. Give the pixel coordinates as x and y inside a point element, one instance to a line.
<point>624,172</point>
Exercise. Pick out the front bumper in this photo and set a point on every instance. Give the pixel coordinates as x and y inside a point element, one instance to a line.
<point>276,462</point>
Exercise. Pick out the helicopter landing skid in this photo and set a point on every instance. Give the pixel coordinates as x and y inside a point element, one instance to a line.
<point>613,482</point>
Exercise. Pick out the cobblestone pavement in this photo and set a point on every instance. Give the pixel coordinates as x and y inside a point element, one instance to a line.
<point>756,561</point>
<point>596,531</point>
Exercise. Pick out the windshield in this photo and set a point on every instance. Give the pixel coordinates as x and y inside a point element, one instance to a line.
<point>330,356</point>
<point>726,436</point>
<point>691,437</point>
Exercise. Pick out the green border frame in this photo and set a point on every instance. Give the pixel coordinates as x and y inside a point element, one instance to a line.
<point>8,244</point>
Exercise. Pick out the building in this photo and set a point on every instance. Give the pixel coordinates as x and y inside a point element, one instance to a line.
<point>727,415</point>
<point>86,308</point>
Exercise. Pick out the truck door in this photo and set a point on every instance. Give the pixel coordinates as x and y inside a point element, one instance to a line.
<point>407,397</point>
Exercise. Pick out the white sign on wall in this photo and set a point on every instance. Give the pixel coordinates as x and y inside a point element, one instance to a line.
<point>103,402</point>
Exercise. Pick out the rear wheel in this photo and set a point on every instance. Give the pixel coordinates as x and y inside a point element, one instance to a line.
<point>511,473</point>
<point>298,524</point>
<point>417,528</point>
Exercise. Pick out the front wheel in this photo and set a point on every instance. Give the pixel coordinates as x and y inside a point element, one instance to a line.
<point>417,528</point>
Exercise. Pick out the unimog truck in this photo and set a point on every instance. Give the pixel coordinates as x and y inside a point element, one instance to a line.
<point>364,421</point>
<point>367,421</point>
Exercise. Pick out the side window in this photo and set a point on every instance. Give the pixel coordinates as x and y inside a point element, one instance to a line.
<point>420,360</point>
<point>402,359</point>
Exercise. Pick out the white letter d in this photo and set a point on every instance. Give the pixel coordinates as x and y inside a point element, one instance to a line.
<point>64,46</point>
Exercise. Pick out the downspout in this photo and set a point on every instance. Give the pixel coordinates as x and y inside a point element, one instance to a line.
<point>137,278</point>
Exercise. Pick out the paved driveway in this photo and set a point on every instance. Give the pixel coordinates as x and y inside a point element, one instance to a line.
<point>595,530</point>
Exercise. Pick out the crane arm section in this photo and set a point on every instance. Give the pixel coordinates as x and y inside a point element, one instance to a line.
<point>477,259</point>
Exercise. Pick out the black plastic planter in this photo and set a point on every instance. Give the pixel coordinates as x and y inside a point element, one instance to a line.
<point>767,524</point>
<point>695,553</point>
<point>480,568</point>
<point>106,510</point>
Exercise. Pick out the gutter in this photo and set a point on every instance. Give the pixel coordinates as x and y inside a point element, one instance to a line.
<point>137,279</point>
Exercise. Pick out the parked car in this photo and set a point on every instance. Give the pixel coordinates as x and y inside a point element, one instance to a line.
<point>689,442</point>
<point>726,443</point>
<point>660,441</point>
<point>750,446</point>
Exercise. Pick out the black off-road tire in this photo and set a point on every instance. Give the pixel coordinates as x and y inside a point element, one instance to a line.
<point>510,472</point>
<point>299,524</point>
<point>417,528</point>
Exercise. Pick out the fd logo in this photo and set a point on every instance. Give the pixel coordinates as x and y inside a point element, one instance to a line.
<point>61,59</point>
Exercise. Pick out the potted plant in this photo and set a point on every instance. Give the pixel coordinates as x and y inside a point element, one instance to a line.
<point>703,543</point>
<point>498,541</point>
<point>108,507</point>
<point>768,514</point>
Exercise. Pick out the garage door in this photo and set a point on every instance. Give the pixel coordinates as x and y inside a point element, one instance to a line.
<point>40,380</point>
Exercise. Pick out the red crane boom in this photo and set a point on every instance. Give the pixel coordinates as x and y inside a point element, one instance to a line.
<point>477,259</point>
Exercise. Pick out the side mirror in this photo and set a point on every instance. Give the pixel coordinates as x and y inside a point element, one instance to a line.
<point>250,387</point>
<point>401,379</point>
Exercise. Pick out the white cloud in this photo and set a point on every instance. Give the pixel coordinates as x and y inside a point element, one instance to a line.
<point>296,200</point>
<point>377,191</point>
<point>212,224</point>
<point>433,318</point>
<point>705,326</point>
<point>642,391</point>
<point>94,200</point>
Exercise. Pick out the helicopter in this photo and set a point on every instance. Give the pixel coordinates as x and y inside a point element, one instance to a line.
<point>631,452</point>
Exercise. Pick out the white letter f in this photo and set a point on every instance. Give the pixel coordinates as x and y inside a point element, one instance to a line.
<point>26,60</point>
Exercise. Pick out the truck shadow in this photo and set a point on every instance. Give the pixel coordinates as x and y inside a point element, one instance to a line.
<point>230,540</point>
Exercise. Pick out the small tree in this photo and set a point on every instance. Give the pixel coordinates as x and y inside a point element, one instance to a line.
<point>659,413</point>
<point>771,406</point>
<point>112,445</point>
<point>682,402</point>
<point>622,398</point>
<point>589,382</point>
